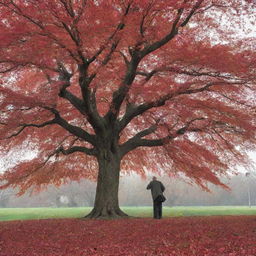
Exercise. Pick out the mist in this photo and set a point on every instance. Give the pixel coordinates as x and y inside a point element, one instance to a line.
<point>132,192</point>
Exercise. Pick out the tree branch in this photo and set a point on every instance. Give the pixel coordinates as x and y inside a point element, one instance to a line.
<point>136,56</point>
<point>179,70</point>
<point>89,99</point>
<point>68,7</point>
<point>16,9</point>
<point>174,30</point>
<point>75,101</point>
<point>196,6</point>
<point>74,149</point>
<point>23,126</point>
<point>132,110</point>
<point>17,64</point>
<point>75,130</point>
<point>119,27</point>
<point>137,140</point>
<point>120,94</point>
<point>233,100</point>
<point>112,50</point>
<point>87,106</point>
<point>65,76</point>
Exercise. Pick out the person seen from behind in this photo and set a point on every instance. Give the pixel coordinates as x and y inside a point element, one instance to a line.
<point>157,188</point>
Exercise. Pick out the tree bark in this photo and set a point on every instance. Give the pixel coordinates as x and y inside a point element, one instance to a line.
<point>106,204</point>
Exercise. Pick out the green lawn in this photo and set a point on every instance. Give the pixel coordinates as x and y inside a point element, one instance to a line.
<point>47,213</point>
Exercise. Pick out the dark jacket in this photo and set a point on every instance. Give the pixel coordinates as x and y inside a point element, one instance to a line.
<point>157,188</point>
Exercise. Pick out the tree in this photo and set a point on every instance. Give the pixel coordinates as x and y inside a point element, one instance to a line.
<point>5,196</point>
<point>92,84</point>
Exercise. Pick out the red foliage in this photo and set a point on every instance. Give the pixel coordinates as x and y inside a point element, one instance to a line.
<point>190,236</point>
<point>57,57</point>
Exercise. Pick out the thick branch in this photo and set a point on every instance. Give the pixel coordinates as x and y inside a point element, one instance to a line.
<point>87,106</point>
<point>65,77</point>
<point>74,149</point>
<point>120,94</point>
<point>96,121</point>
<point>128,146</point>
<point>75,101</point>
<point>75,130</point>
<point>138,141</point>
<point>132,110</point>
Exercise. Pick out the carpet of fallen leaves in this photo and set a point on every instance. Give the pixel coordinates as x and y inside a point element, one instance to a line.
<point>180,236</point>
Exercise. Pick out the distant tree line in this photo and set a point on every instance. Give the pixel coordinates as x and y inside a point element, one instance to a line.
<point>133,193</point>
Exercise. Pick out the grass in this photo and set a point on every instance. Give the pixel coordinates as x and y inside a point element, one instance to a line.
<point>7,214</point>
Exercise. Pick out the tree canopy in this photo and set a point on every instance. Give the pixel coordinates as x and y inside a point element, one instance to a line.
<point>167,85</point>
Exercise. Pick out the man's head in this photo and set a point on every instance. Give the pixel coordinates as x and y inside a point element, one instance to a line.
<point>154,178</point>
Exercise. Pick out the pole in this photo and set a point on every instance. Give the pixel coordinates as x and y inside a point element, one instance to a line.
<point>248,189</point>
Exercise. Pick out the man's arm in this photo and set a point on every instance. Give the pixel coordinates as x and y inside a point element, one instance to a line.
<point>149,185</point>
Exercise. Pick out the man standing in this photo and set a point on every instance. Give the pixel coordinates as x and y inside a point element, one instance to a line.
<point>157,189</point>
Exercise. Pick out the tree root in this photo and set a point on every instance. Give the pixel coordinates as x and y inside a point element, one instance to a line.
<point>106,213</point>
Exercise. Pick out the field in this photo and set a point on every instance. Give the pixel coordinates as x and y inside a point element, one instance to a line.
<point>7,214</point>
<point>179,233</point>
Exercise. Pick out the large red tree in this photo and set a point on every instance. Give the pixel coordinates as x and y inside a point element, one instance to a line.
<point>108,84</point>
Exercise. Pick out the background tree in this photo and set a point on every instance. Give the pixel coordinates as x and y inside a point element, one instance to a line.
<point>80,193</point>
<point>5,196</point>
<point>150,85</point>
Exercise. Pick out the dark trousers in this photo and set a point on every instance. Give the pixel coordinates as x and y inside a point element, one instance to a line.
<point>157,209</point>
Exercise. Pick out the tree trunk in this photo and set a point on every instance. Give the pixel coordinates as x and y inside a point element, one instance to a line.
<point>106,203</point>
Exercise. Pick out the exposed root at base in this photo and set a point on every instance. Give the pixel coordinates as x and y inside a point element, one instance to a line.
<point>106,214</point>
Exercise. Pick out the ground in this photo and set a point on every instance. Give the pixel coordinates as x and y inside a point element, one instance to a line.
<point>177,236</point>
<point>140,211</point>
